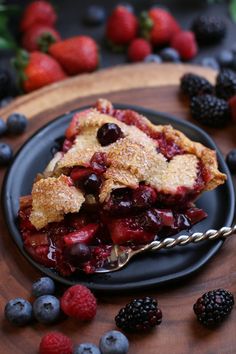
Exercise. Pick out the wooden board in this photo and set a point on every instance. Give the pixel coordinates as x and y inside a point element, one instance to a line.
<point>155,87</point>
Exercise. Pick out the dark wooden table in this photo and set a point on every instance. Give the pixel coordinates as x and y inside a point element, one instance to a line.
<point>153,87</point>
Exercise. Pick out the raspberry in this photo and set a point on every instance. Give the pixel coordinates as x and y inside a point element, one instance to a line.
<point>185,43</point>
<point>79,302</point>
<point>55,343</point>
<point>138,49</point>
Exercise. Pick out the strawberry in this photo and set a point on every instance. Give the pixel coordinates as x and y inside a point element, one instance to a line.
<point>84,235</point>
<point>185,43</point>
<point>158,26</point>
<point>121,27</point>
<point>138,49</point>
<point>76,55</point>
<point>38,12</point>
<point>39,37</point>
<point>37,69</point>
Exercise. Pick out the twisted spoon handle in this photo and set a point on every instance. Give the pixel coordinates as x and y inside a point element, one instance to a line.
<point>182,240</point>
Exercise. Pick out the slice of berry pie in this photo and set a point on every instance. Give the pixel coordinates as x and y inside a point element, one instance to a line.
<point>118,179</point>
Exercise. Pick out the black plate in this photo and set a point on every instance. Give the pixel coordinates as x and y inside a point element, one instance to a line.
<point>146,270</point>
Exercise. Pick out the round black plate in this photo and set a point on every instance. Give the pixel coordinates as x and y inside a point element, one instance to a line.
<point>146,270</point>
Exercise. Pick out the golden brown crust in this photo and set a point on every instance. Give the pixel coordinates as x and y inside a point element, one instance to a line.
<point>131,160</point>
<point>52,198</point>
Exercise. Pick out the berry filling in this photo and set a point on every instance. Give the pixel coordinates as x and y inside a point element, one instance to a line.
<point>82,242</point>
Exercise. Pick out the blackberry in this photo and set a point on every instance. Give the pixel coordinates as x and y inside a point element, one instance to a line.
<point>210,110</point>
<point>213,307</point>
<point>195,85</point>
<point>209,29</point>
<point>139,314</point>
<point>226,84</point>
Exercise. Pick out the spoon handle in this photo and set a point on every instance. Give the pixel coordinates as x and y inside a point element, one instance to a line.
<point>196,237</point>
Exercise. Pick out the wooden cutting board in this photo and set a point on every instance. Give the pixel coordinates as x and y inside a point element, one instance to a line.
<point>156,87</point>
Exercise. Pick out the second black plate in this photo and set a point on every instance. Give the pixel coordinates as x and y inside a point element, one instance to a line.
<point>144,271</point>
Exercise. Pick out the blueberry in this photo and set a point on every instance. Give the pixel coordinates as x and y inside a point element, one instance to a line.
<point>86,348</point>
<point>95,15</point>
<point>225,58</point>
<point>3,127</point>
<point>43,286</point>
<point>5,101</point>
<point>153,58</point>
<point>234,48</point>
<point>128,6</point>
<point>170,55</point>
<point>114,342</point>
<point>108,133</point>
<point>16,123</point>
<point>18,311</point>
<point>231,160</point>
<point>210,62</point>
<point>46,309</point>
<point>6,154</point>
<point>78,253</point>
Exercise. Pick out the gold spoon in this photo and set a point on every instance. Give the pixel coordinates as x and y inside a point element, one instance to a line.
<point>121,255</point>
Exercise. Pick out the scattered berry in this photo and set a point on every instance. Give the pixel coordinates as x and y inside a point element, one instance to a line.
<point>18,311</point>
<point>209,29</point>
<point>195,85</point>
<point>5,101</point>
<point>95,15</point>
<point>108,133</point>
<point>210,62</point>
<point>114,342</point>
<point>55,343</point>
<point>226,84</point>
<point>122,26</point>
<point>43,286</point>
<point>213,307</point>
<point>170,55</point>
<point>158,26</point>
<point>127,5</point>
<point>210,110</point>
<point>76,55</point>
<point>39,37</point>
<point>139,49</point>
<point>37,70</point>
<point>46,309</point>
<point>139,314</point>
<point>153,58</point>
<point>86,348</point>
<point>16,123</point>
<point>6,154</point>
<point>5,83</point>
<point>79,302</point>
<point>185,43</point>
<point>38,12</point>
<point>231,160</point>
<point>225,58</point>
<point>3,127</point>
